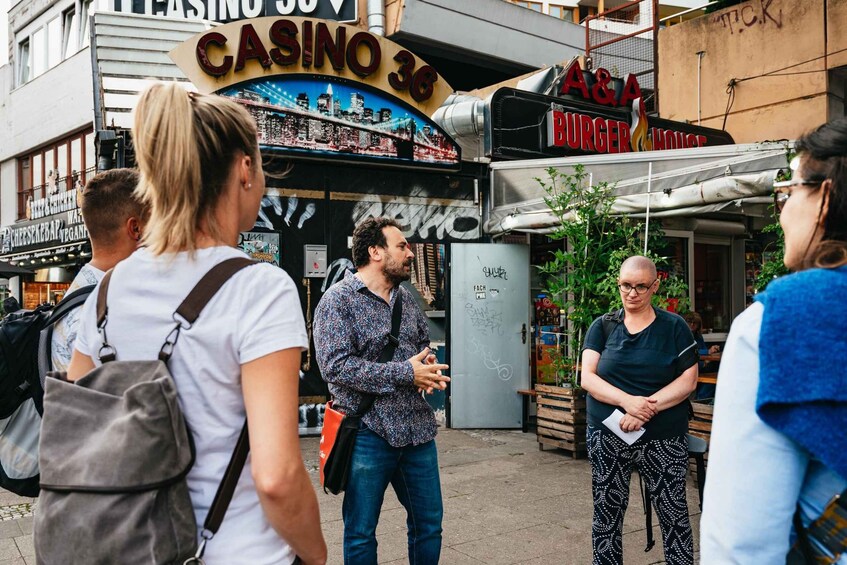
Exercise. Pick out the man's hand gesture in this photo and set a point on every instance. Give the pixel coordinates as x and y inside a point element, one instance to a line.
<point>428,375</point>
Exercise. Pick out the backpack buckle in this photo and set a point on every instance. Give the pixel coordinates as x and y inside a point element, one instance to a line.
<point>197,559</point>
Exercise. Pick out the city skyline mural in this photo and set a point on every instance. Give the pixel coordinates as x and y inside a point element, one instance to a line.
<point>316,115</point>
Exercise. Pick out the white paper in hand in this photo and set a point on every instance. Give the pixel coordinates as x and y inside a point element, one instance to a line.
<point>613,422</point>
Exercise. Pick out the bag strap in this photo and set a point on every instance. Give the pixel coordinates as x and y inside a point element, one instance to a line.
<point>609,322</point>
<point>226,489</point>
<point>65,306</point>
<point>188,311</point>
<point>387,351</point>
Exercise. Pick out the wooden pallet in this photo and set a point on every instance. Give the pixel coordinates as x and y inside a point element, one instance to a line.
<point>561,419</point>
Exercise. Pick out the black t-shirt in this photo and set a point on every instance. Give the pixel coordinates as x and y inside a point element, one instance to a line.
<point>641,364</point>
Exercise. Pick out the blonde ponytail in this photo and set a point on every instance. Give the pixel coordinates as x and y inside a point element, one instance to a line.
<point>185,146</point>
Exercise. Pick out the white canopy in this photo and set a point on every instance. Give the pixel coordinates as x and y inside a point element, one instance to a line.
<point>680,182</point>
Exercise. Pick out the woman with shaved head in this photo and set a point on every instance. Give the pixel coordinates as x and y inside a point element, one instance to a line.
<point>639,365</point>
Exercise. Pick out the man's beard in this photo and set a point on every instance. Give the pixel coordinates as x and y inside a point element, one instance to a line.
<point>395,272</point>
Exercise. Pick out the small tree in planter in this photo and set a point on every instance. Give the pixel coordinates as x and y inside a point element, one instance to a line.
<point>582,278</point>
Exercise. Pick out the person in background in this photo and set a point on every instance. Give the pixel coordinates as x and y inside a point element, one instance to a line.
<point>201,175</point>
<point>114,218</point>
<point>396,443</point>
<point>695,324</point>
<point>778,453</point>
<point>647,367</point>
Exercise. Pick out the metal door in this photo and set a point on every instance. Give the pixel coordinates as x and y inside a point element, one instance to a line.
<point>489,334</point>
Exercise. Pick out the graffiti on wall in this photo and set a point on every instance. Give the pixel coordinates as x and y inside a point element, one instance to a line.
<point>425,221</point>
<point>749,15</point>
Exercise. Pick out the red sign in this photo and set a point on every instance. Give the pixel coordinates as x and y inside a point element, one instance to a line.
<point>600,87</point>
<point>589,134</point>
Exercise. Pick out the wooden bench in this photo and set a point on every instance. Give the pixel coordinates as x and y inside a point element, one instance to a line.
<point>708,378</point>
<point>527,395</point>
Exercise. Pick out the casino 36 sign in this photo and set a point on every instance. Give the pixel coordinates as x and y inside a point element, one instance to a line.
<point>242,51</point>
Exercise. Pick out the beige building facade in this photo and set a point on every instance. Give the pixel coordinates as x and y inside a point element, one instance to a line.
<point>761,70</point>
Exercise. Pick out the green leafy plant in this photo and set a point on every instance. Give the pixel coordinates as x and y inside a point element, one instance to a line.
<point>773,266</point>
<point>581,278</point>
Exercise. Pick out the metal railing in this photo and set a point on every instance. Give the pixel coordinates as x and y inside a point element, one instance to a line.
<point>634,52</point>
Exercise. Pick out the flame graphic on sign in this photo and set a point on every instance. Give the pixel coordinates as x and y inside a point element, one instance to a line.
<point>639,138</point>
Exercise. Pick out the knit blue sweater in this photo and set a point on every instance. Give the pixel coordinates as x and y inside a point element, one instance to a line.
<point>803,362</point>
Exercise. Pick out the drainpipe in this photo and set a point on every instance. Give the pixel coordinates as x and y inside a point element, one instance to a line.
<point>376,17</point>
<point>699,65</point>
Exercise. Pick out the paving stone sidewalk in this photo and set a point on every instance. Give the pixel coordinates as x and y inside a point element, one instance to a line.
<point>505,502</point>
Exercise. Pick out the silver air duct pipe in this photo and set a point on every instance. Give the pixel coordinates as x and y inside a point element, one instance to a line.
<point>461,116</point>
<point>376,17</point>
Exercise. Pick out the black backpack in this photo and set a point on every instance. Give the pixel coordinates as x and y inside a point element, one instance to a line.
<point>25,357</point>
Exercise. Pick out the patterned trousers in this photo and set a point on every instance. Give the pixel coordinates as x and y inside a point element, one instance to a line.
<point>662,464</point>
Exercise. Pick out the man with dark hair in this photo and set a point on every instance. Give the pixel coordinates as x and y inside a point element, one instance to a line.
<point>114,218</point>
<point>396,443</point>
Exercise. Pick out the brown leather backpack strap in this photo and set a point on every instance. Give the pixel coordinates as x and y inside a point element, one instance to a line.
<point>102,308</point>
<point>106,353</point>
<point>208,286</point>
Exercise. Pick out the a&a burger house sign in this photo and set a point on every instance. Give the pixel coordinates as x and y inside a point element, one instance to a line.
<point>593,113</point>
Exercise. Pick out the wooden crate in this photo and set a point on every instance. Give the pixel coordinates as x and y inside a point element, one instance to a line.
<point>561,419</point>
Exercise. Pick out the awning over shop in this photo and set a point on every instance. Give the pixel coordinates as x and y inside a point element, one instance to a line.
<point>681,182</point>
<point>7,270</point>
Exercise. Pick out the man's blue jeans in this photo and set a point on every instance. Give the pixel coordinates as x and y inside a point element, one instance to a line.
<point>413,472</point>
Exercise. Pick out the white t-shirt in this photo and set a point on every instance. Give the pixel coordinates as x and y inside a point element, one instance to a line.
<point>257,312</point>
<point>64,332</point>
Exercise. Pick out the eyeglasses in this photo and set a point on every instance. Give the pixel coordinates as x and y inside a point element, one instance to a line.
<point>626,288</point>
<point>783,189</point>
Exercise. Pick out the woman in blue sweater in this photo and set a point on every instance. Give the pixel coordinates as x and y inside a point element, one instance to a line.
<point>777,457</point>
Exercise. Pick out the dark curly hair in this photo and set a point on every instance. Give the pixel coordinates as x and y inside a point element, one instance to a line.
<point>826,152</point>
<point>369,234</point>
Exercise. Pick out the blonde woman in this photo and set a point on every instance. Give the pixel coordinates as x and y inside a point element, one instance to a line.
<point>202,177</point>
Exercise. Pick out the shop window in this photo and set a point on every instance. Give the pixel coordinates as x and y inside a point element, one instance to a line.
<point>712,285</point>
<point>24,61</point>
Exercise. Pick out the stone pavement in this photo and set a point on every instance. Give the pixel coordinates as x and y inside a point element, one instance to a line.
<point>504,502</point>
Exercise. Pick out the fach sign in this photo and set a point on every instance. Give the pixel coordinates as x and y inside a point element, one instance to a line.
<point>231,10</point>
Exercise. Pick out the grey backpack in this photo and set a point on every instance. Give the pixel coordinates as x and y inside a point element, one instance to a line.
<point>115,451</point>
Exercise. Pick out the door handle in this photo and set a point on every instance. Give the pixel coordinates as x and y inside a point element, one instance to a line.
<point>523,333</point>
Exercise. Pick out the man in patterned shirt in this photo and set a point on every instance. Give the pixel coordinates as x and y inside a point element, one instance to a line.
<point>114,219</point>
<point>396,443</point>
